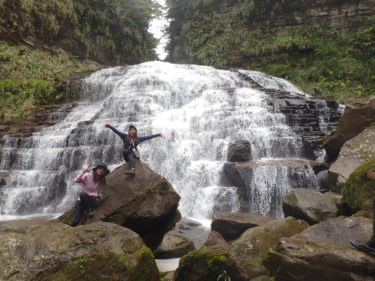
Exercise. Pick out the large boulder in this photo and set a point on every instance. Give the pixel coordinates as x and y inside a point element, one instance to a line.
<point>358,115</point>
<point>360,187</point>
<point>173,246</point>
<point>252,247</point>
<point>44,251</point>
<point>353,154</point>
<point>232,225</point>
<point>145,203</point>
<point>341,230</point>
<point>208,264</point>
<point>323,252</point>
<point>300,258</point>
<point>239,151</point>
<point>311,205</point>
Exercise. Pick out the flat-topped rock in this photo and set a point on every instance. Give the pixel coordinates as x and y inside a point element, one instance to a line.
<point>173,246</point>
<point>232,225</point>
<point>339,231</point>
<point>239,151</point>
<point>311,205</point>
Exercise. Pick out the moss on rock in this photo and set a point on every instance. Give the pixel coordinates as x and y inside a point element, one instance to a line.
<point>359,187</point>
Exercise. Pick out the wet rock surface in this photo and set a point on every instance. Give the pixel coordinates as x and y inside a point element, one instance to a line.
<point>173,246</point>
<point>242,174</point>
<point>191,229</point>
<point>232,225</point>
<point>48,116</point>
<point>311,205</point>
<point>145,203</point>
<point>54,251</point>
<point>353,154</point>
<point>239,151</point>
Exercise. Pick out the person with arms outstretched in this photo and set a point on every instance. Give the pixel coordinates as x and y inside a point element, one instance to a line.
<point>131,141</point>
<point>91,185</point>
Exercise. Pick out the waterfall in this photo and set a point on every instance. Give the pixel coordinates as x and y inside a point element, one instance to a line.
<point>200,111</point>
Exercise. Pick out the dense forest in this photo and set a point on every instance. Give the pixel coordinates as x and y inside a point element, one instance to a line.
<point>44,43</point>
<point>325,47</point>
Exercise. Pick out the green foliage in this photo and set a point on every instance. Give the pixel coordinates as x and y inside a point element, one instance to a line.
<point>32,78</point>
<point>109,31</point>
<point>323,61</point>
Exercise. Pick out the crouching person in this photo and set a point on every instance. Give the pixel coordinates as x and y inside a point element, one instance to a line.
<point>91,185</point>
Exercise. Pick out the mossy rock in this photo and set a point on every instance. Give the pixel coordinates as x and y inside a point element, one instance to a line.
<point>359,187</point>
<point>251,249</point>
<point>208,265</point>
<point>55,251</point>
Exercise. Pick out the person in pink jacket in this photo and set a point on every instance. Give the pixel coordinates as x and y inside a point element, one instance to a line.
<point>91,184</point>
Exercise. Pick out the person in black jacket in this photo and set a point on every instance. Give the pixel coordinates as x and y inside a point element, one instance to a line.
<point>131,141</point>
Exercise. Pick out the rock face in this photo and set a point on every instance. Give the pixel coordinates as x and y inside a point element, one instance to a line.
<point>232,225</point>
<point>146,203</point>
<point>322,252</point>
<point>341,230</point>
<point>215,240</point>
<point>239,151</point>
<point>55,251</point>
<point>310,260</point>
<point>252,247</point>
<point>357,116</point>
<point>360,187</point>
<point>311,205</point>
<point>208,265</point>
<point>353,154</point>
<point>173,246</point>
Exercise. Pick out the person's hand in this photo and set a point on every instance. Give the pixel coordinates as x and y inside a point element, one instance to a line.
<point>86,166</point>
<point>106,125</point>
<point>161,134</point>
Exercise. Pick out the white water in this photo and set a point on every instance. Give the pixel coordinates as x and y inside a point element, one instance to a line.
<point>199,109</point>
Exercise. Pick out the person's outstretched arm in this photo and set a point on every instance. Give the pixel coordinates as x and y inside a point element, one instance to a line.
<point>120,134</point>
<point>80,178</point>
<point>141,139</point>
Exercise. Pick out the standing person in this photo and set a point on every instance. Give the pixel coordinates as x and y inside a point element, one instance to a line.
<point>367,247</point>
<point>131,141</point>
<point>91,184</point>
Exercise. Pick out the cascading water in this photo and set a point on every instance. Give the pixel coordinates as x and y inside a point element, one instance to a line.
<point>200,110</point>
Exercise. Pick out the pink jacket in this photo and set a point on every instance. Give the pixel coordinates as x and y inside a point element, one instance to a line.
<point>87,181</point>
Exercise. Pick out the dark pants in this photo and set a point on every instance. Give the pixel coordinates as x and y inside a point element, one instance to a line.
<point>86,202</point>
<point>130,157</point>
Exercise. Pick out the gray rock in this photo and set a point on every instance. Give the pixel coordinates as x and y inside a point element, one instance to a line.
<point>215,240</point>
<point>353,154</point>
<point>239,151</point>
<point>173,246</point>
<point>232,225</point>
<point>311,205</point>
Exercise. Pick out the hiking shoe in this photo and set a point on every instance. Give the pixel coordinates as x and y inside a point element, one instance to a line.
<point>364,247</point>
<point>131,172</point>
<point>91,213</point>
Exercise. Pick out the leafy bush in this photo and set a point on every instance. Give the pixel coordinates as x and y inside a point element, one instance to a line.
<point>323,61</point>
